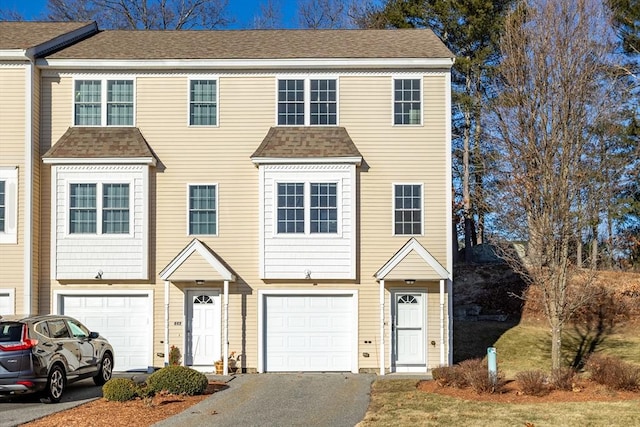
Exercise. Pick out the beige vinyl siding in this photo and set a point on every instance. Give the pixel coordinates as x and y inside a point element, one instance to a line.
<point>191,155</point>
<point>12,154</point>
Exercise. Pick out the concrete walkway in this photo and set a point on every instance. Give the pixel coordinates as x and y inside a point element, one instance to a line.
<point>282,400</point>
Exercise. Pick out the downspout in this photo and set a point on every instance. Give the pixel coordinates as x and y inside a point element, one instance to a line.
<point>225,357</point>
<point>442,342</point>
<point>382,358</point>
<point>166,323</point>
<point>28,192</point>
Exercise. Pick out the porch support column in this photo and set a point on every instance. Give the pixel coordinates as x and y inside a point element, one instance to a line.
<point>166,322</point>
<point>382,350</point>
<point>442,342</point>
<point>450,320</point>
<point>225,357</point>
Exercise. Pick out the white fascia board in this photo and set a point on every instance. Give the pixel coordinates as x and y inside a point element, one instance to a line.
<point>101,161</point>
<point>252,64</point>
<point>306,160</point>
<point>13,55</point>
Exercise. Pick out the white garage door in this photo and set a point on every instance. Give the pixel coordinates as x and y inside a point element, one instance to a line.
<point>308,333</point>
<point>6,302</point>
<point>125,320</point>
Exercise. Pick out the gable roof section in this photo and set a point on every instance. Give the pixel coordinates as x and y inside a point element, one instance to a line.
<point>115,144</point>
<point>307,142</point>
<point>197,259</point>
<point>22,39</point>
<point>258,44</point>
<point>412,261</point>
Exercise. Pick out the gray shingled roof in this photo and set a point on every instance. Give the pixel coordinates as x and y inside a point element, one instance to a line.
<point>306,142</point>
<point>100,142</point>
<point>24,35</point>
<point>258,44</point>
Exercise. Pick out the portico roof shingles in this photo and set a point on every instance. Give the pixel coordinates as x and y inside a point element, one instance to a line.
<point>257,44</point>
<point>306,142</point>
<point>100,142</point>
<point>24,35</point>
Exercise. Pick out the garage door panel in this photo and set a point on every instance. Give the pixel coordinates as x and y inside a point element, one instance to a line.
<point>309,333</point>
<point>125,320</point>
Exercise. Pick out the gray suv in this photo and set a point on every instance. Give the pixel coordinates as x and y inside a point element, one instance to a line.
<point>44,353</point>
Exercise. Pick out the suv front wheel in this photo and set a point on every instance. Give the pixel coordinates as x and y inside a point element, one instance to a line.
<point>55,384</point>
<point>106,368</point>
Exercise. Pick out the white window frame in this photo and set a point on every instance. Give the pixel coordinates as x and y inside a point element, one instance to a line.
<point>10,233</point>
<point>217,187</point>
<point>103,98</point>
<point>393,207</point>
<point>393,98</point>
<point>307,96</point>
<point>99,209</point>
<point>215,78</point>
<point>307,208</point>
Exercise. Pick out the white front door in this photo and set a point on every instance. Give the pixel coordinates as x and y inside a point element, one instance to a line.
<point>409,327</point>
<point>203,327</point>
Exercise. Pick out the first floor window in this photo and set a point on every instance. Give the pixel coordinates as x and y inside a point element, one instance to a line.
<point>406,102</point>
<point>202,209</point>
<point>291,208</point>
<point>83,213</point>
<point>324,208</point>
<point>3,205</point>
<point>407,209</point>
<point>115,209</point>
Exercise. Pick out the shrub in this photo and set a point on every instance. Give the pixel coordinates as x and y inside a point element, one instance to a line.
<point>178,380</point>
<point>562,378</point>
<point>119,389</point>
<point>613,372</point>
<point>174,356</point>
<point>476,375</point>
<point>533,383</point>
<point>449,376</point>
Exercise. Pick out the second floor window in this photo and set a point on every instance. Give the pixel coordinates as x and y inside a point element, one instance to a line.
<point>407,209</point>
<point>203,103</point>
<point>87,209</point>
<point>103,103</point>
<point>407,104</point>
<point>202,209</point>
<point>316,201</point>
<point>307,102</point>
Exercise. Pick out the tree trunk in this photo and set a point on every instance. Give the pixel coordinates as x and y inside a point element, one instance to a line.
<point>556,346</point>
<point>466,192</point>
<point>579,252</point>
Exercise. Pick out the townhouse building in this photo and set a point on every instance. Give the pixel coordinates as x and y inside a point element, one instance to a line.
<point>282,195</point>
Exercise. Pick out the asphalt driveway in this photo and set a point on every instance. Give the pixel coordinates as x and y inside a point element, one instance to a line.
<point>283,400</point>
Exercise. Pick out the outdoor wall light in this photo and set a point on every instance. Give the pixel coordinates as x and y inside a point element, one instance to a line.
<point>307,274</point>
<point>409,281</point>
<point>199,282</point>
<point>99,275</point>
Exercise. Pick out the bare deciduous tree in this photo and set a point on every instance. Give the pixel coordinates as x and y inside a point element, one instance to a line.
<point>142,14</point>
<point>317,14</point>
<point>554,83</point>
<point>269,16</point>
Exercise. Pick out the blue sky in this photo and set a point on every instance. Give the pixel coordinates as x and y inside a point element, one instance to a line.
<point>243,11</point>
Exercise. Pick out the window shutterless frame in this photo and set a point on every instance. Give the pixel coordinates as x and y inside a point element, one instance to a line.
<point>321,217</point>
<point>104,100</point>
<point>404,100</point>
<point>203,104</point>
<point>407,209</point>
<point>316,100</point>
<point>103,211</point>
<point>203,208</point>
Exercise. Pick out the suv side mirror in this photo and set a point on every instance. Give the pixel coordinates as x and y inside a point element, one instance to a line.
<point>93,335</point>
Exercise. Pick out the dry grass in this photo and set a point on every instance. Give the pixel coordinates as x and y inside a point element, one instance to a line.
<point>399,403</point>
